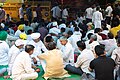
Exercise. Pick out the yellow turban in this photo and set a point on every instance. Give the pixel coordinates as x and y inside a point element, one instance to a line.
<point>23,36</point>
<point>21,27</point>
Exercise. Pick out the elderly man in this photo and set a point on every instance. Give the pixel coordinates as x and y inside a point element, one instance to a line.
<point>12,54</point>
<point>67,51</point>
<point>39,48</point>
<point>22,68</point>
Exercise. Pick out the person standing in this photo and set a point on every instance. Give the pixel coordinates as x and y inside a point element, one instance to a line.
<point>21,12</point>
<point>38,12</point>
<point>29,13</point>
<point>65,14</point>
<point>56,12</point>
<point>89,14</point>
<point>2,14</point>
<point>109,12</point>
<point>97,18</point>
<point>22,68</point>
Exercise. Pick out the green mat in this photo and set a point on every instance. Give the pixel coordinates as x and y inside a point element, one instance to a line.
<point>72,77</point>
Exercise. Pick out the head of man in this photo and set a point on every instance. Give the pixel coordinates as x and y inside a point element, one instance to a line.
<point>19,43</point>
<point>81,45</point>
<point>51,46</point>
<point>29,49</point>
<point>23,6</point>
<point>35,37</point>
<point>63,40</point>
<point>100,50</point>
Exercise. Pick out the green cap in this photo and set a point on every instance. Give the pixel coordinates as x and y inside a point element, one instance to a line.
<point>3,35</point>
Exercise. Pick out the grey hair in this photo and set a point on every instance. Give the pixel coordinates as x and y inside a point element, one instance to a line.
<point>94,37</point>
<point>63,38</point>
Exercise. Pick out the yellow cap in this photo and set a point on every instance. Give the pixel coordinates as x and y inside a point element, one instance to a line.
<point>21,27</point>
<point>23,36</point>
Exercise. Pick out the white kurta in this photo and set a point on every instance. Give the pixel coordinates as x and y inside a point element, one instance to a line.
<point>17,33</point>
<point>68,54</point>
<point>37,51</point>
<point>12,54</point>
<point>109,10</point>
<point>22,68</point>
<point>74,39</point>
<point>89,13</point>
<point>64,13</point>
<point>4,48</point>
<point>21,13</point>
<point>84,60</point>
<point>97,18</point>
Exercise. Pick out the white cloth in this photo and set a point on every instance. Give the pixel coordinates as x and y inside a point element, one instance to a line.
<point>37,51</point>
<point>68,54</point>
<point>84,60</point>
<point>93,44</point>
<point>35,35</point>
<point>109,43</point>
<point>97,18</point>
<point>21,13</point>
<point>56,12</point>
<point>109,11</point>
<point>64,13</point>
<point>22,66</point>
<point>99,38</point>
<point>38,47</point>
<point>17,33</point>
<point>54,30</point>
<point>19,42</point>
<point>62,26</point>
<point>74,39</point>
<point>12,54</point>
<point>89,13</point>
<point>105,32</point>
<point>11,39</point>
<point>86,36</point>
<point>4,48</point>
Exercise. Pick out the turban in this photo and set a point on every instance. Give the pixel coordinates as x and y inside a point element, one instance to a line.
<point>35,35</point>
<point>3,35</point>
<point>23,36</point>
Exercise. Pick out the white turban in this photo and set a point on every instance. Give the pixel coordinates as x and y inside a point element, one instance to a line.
<point>35,35</point>
<point>19,42</point>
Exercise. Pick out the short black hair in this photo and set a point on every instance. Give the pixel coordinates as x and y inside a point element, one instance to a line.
<point>110,35</point>
<point>89,35</point>
<point>99,49</point>
<point>97,30</point>
<point>51,45</point>
<point>98,8</point>
<point>81,45</point>
<point>29,48</point>
<point>76,29</point>
<point>29,32</point>
<point>62,29</point>
<point>48,38</point>
<point>70,33</point>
